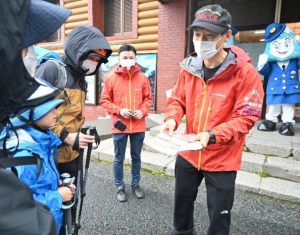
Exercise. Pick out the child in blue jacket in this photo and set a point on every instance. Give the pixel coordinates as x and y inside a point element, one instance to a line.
<point>34,137</point>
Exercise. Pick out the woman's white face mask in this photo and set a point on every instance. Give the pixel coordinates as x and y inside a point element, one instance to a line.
<point>90,66</point>
<point>128,63</point>
<point>30,60</point>
<point>206,49</point>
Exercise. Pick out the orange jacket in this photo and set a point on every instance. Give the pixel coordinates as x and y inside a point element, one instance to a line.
<point>129,90</point>
<point>228,104</point>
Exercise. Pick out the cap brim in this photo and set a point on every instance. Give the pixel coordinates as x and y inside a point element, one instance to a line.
<point>42,21</point>
<point>39,112</point>
<point>210,27</point>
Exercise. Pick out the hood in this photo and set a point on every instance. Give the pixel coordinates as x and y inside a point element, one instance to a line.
<point>236,56</point>
<point>79,43</point>
<point>16,84</point>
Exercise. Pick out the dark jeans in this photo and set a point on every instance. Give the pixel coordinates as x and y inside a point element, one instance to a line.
<point>220,195</point>
<point>136,144</point>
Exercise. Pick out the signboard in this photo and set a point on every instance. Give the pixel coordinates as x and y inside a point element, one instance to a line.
<point>147,62</point>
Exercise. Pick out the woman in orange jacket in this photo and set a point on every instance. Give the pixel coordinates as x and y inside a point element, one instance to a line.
<point>126,97</point>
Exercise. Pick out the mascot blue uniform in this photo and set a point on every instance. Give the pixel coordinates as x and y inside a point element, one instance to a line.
<point>280,64</point>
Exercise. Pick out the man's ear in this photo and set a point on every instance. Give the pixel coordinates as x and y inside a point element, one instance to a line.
<point>228,34</point>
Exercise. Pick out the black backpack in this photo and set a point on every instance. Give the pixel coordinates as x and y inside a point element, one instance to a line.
<point>20,213</point>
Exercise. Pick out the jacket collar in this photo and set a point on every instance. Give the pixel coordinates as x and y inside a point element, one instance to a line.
<point>124,71</point>
<point>236,56</point>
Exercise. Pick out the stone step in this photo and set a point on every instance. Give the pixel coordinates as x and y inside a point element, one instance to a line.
<point>252,162</point>
<point>269,186</point>
<point>284,168</point>
<point>157,145</point>
<point>150,160</point>
<point>251,181</point>
<point>270,143</point>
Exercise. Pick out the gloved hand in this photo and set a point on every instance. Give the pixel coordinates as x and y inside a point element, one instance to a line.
<point>262,60</point>
<point>125,113</point>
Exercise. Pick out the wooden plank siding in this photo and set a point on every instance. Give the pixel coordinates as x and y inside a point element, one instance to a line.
<point>147,25</point>
<point>147,38</point>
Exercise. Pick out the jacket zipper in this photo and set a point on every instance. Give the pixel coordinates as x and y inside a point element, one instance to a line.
<point>130,97</point>
<point>199,124</point>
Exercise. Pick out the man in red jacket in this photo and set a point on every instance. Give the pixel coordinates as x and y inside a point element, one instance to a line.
<point>221,95</point>
<point>127,97</point>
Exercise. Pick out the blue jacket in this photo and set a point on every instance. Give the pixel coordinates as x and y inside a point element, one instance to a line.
<point>283,85</point>
<point>44,187</point>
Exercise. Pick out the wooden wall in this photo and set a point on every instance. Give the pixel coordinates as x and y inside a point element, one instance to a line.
<point>147,32</point>
<point>147,25</point>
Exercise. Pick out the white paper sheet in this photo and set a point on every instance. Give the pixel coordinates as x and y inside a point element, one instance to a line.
<point>181,141</point>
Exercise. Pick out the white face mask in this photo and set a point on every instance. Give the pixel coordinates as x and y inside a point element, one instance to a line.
<point>206,49</point>
<point>128,63</point>
<point>30,60</point>
<point>90,66</point>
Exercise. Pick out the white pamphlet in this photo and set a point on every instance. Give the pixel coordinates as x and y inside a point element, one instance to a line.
<point>182,142</point>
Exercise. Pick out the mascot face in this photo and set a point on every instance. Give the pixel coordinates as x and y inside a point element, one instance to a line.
<point>285,47</point>
<point>282,48</point>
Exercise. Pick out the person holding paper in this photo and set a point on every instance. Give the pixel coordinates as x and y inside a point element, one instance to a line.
<point>221,94</point>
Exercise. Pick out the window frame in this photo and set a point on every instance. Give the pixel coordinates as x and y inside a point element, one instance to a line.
<point>134,19</point>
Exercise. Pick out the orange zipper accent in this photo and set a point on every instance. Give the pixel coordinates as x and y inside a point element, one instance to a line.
<point>199,124</point>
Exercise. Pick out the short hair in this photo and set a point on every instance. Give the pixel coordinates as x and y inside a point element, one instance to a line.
<point>127,48</point>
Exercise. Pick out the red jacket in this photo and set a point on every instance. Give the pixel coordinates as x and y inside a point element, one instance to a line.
<point>228,104</point>
<point>129,90</point>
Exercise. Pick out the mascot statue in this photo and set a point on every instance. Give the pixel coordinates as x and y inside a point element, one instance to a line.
<point>280,64</point>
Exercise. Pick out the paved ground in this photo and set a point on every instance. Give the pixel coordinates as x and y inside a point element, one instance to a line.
<point>102,214</point>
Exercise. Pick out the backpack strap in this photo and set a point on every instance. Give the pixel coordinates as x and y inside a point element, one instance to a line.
<point>12,162</point>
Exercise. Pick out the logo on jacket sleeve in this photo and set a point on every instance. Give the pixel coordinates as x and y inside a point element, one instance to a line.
<point>252,105</point>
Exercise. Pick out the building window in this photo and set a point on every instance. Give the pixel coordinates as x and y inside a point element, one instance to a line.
<point>117,17</point>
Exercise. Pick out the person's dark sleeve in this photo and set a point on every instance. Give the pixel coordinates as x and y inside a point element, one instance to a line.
<point>47,71</point>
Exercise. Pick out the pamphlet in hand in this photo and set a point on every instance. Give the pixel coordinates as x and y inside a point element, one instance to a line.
<point>181,141</point>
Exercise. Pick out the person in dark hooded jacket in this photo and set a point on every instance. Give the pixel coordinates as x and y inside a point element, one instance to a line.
<point>85,49</point>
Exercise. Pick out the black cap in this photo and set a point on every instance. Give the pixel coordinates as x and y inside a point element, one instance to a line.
<point>213,18</point>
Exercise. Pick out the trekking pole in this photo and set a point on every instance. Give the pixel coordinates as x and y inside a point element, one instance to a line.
<point>92,131</point>
<point>67,180</point>
<point>79,188</point>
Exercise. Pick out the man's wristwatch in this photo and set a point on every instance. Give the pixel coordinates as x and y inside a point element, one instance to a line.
<point>212,137</point>
<point>63,135</point>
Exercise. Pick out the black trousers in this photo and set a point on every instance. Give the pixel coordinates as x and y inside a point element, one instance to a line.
<point>69,167</point>
<point>220,195</point>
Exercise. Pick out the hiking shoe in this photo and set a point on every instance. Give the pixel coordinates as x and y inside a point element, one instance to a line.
<point>138,192</point>
<point>267,125</point>
<point>121,195</point>
<point>287,129</point>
